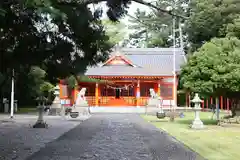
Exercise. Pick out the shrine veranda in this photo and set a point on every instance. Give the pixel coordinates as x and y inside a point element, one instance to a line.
<point>129,74</point>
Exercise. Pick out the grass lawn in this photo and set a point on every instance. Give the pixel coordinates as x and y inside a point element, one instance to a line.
<point>213,143</point>
<point>27,110</point>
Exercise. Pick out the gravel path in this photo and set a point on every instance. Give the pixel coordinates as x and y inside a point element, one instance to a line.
<point>18,139</point>
<point>114,137</point>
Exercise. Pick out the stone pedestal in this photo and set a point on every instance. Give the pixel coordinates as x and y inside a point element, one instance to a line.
<point>63,111</point>
<point>6,105</point>
<point>81,109</point>
<point>197,123</point>
<point>40,123</point>
<point>153,102</point>
<point>6,108</point>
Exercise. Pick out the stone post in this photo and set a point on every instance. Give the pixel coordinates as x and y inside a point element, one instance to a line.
<point>197,123</point>
<point>62,111</point>
<point>15,106</point>
<point>6,105</point>
<point>40,114</point>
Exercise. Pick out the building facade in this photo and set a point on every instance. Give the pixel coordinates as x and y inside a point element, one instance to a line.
<point>129,73</point>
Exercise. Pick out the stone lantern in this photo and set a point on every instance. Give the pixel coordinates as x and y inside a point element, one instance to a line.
<point>57,91</point>
<point>197,123</point>
<point>56,104</point>
<point>41,106</point>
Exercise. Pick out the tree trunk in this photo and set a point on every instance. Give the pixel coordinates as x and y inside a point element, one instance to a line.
<point>234,106</point>
<point>217,108</point>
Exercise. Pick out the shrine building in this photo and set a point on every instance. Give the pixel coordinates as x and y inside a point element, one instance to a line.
<point>129,73</point>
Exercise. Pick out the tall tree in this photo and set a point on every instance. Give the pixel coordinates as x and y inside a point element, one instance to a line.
<point>49,36</point>
<point>116,31</point>
<point>209,19</point>
<point>56,43</point>
<point>154,29</point>
<point>23,16</point>
<point>214,69</point>
<point>63,37</point>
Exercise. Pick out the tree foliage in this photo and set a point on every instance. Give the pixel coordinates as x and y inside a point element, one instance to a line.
<point>149,31</point>
<point>56,43</point>
<point>154,29</point>
<point>30,84</point>
<point>61,37</point>
<point>214,68</point>
<point>209,19</point>
<point>116,31</point>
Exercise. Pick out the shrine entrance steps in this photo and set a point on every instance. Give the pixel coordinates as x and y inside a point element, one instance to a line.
<point>120,109</point>
<point>117,102</point>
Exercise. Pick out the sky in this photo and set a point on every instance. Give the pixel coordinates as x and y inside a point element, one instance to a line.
<point>131,10</point>
<point>133,7</point>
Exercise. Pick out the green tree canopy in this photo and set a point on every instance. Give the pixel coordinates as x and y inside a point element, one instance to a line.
<point>154,29</point>
<point>116,31</point>
<point>209,19</point>
<point>214,68</point>
<point>62,43</point>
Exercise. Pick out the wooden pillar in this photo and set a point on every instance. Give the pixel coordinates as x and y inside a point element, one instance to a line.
<point>60,90</point>
<point>159,89</point>
<point>96,95</point>
<point>188,99</point>
<point>174,93</point>
<point>207,103</point>
<point>155,87</point>
<point>74,95</point>
<point>221,98</point>
<point>138,94</point>
<point>211,100</point>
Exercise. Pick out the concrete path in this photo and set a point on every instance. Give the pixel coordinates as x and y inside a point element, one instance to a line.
<point>114,137</point>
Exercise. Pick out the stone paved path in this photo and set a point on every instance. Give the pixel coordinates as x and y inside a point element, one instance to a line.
<point>114,137</point>
<point>18,140</point>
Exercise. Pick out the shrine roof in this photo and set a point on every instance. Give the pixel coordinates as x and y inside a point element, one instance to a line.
<point>146,62</point>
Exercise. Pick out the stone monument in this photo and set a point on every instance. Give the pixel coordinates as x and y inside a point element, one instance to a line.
<point>197,123</point>
<point>81,105</point>
<point>154,103</point>
<point>154,100</point>
<point>56,106</point>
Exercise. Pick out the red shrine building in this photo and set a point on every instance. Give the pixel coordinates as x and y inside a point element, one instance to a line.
<point>128,74</point>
